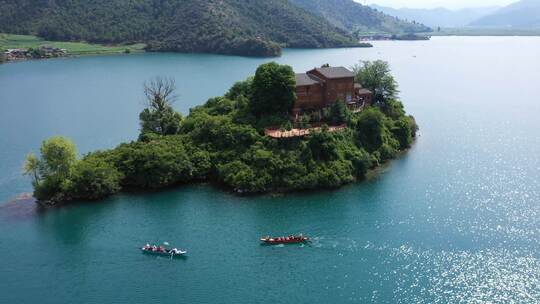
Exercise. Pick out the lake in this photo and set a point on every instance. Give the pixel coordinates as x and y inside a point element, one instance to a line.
<point>455,220</point>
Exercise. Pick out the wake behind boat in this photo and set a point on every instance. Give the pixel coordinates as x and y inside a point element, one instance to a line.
<point>292,239</point>
<point>162,250</point>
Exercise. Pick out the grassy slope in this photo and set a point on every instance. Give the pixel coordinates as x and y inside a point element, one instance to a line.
<point>9,41</point>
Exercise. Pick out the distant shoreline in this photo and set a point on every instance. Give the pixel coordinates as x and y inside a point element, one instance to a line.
<point>495,32</point>
<point>72,49</point>
<point>75,49</point>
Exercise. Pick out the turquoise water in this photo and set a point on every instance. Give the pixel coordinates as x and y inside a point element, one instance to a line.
<point>455,220</point>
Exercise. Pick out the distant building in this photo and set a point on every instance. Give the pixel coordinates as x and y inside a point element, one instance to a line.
<point>321,87</point>
<point>44,51</point>
<point>16,54</point>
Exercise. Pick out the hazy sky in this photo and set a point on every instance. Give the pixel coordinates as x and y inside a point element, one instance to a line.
<point>453,4</point>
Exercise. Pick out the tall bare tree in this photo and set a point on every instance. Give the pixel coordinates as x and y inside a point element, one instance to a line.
<point>160,93</point>
<point>159,117</point>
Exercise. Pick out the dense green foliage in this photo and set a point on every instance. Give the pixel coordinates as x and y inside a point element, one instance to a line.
<point>246,27</point>
<point>51,172</point>
<point>92,178</point>
<point>376,76</point>
<point>223,142</point>
<point>273,90</point>
<point>355,17</point>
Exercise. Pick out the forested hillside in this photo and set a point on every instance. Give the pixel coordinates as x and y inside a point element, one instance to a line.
<point>354,17</point>
<point>246,27</point>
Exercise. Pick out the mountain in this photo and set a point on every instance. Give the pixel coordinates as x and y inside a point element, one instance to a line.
<point>522,14</point>
<point>244,27</point>
<point>355,17</point>
<point>439,16</point>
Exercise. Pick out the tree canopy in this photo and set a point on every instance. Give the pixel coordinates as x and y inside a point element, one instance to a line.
<point>51,172</point>
<point>377,77</point>
<point>273,90</point>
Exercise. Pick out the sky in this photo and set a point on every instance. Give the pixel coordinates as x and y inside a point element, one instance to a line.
<point>451,4</point>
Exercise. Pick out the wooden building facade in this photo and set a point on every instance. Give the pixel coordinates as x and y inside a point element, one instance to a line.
<point>321,87</point>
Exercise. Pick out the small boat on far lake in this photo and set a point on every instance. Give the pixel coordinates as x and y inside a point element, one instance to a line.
<point>162,250</point>
<point>292,239</point>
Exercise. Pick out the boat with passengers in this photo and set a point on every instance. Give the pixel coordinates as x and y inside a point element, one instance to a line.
<point>162,250</point>
<point>291,239</point>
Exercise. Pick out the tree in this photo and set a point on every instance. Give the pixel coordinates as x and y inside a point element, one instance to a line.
<point>339,113</point>
<point>58,155</point>
<point>273,90</point>
<point>153,165</point>
<point>240,88</point>
<point>305,121</point>
<point>159,117</point>
<point>31,168</point>
<point>93,178</point>
<point>376,76</point>
<point>370,127</point>
<point>51,172</point>
<point>323,146</point>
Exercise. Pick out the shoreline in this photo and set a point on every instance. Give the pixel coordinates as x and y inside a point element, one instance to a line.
<point>82,48</point>
<point>371,174</point>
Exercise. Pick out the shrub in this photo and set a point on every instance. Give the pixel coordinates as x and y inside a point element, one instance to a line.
<point>93,178</point>
<point>370,128</point>
<point>242,178</point>
<point>154,164</point>
<point>339,113</point>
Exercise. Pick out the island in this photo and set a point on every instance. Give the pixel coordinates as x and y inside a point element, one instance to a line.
<point>276,131</point>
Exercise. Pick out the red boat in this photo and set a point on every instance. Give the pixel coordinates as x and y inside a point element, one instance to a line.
<point>292,239</point>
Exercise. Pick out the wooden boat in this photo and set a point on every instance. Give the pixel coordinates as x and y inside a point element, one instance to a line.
<point>160,250</point>
<point>292,239</point>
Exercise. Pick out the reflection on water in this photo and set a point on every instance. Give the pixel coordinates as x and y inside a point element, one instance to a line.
<point>23,206</point>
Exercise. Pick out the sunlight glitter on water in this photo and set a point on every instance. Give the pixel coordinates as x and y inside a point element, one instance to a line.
<point>487,276</point>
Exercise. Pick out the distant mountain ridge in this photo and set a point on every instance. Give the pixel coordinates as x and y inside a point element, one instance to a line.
<point>239,27</point>
<point>353,16</point>
<point>522,14</point>
<point>439,16</point>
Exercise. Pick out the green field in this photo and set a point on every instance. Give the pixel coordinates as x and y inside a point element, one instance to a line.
<point>9,41</point>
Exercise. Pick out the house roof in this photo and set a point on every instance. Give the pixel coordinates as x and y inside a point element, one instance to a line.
<point>335,72</point>
<point>305,80</point>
